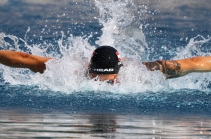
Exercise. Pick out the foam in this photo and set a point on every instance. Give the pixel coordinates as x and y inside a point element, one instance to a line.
<point>67,72</point>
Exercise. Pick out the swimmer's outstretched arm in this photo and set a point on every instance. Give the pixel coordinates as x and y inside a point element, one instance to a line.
<point>23,60</point>
<point>177,68</point>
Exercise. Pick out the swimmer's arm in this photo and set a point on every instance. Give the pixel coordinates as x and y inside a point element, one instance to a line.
<point>177,68</point>
<point>23,60</point>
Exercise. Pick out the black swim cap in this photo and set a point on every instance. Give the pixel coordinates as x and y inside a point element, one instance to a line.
<point>105,60</point>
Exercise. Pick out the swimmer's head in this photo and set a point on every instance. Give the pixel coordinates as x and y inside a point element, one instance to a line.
<point>105,60</point>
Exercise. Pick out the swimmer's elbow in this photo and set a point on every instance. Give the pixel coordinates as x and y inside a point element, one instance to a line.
<point>39,69</point>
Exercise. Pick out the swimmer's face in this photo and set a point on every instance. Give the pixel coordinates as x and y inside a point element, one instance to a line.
<point>104,77</point>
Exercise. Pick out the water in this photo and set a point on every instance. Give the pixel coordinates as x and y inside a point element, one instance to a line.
<point>63,103</point>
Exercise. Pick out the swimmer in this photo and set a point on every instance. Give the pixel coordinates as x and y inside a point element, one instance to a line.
<point>105,64</point>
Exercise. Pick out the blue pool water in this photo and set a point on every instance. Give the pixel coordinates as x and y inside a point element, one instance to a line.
<point>63,103</point>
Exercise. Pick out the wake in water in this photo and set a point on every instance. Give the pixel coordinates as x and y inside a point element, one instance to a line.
<point>121,29</point>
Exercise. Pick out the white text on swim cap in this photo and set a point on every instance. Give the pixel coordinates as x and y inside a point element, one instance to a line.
<point>104,70</point>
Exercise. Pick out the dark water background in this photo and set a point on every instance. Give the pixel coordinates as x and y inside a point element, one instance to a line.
<point>28,112</point>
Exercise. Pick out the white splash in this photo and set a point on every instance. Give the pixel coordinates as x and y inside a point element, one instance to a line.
<point>193,80</point>
<point>120,27</point>
<point>67,71</point>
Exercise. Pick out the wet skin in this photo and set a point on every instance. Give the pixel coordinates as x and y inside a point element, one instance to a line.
<point>105,77</point>
<point>171,68</point>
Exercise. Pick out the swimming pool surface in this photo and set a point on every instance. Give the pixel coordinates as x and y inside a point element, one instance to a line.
<point>63,103</point>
